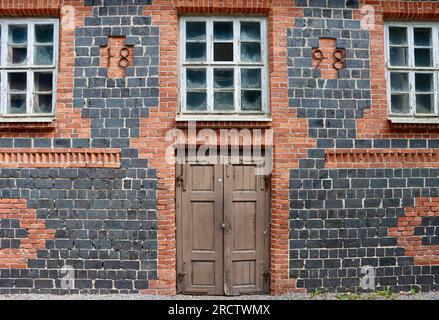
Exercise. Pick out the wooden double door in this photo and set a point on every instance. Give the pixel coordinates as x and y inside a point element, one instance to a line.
<point>222,229</point>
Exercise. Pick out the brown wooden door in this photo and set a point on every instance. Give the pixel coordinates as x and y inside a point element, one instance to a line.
<point>246,230</point>
<point>199,229</point>
<point>222,229</point>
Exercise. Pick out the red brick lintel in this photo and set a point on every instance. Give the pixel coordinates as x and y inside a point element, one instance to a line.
<point>45,9</point>
<point>406,10</point>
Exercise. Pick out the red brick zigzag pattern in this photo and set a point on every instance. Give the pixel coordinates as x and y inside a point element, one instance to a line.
<point>37,234</point>
<point>404,232</point>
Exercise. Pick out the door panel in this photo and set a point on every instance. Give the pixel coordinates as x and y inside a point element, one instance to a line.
<point>244,233</point>
<point>201,260</point>
<point>203,273</point>
<point>221,229</point>
<point>244,273</point>
<point>203,178</point>
<point>244,243</point>
<point>203,226</point>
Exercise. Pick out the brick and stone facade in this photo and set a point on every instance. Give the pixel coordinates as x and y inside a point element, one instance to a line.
<point>92,190</point>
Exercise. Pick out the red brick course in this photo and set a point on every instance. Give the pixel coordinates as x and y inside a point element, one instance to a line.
<point>382,158</point>
<point>60,158</point>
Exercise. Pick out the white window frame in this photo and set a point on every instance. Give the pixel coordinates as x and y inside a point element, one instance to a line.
<point>411,69</point>
<point>236,64</point>
<point>29,68</point>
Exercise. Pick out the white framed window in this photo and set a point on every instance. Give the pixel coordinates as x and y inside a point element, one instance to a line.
<point>412,61</point>
<point>28,68</point>
<point>223,66</point>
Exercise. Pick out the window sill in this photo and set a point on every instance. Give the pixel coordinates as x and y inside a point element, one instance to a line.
<point>209,121</point>
<point>13,119</point>
<point>413,120</point>
<point>219,117</point>
<point>27,124</point>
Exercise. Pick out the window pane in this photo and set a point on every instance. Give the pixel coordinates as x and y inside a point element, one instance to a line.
<point>43,103</point>
<point>422,36</point>
<point>43,82</point>
<point>17,81</point>
<point>250,31</point>
<point>251,78</point>
<point>398,56</point>
<point>44,33</point>
<point>398,36</point>
<point>44,55</point>
<point>400,103</point>
<point>196,78</point>
<point>224,78</point>
<point>19,55</point>
<point>399,81</point>
<point>251,52</point>
<point>195,51</point>
<point>196,30</point>
<point>223,51</point>
<point>424,82</point>
<point>224,101</point>
<point>251,100</point>
<point>423,57</point>
<point>17,103</point>
<point>18,34</point>
<point>196,101</point>
<point>223,30</point>
<point>424,103</point>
